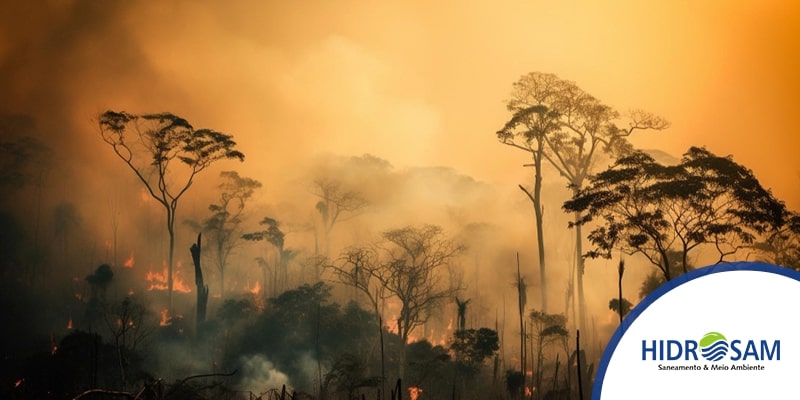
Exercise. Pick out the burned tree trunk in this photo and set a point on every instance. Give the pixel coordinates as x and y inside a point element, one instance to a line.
<point>202,288</point>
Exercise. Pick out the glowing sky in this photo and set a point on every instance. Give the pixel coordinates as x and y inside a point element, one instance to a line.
<point>414,83</point>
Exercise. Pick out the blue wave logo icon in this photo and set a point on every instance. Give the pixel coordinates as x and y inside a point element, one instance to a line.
<point>713,346</point>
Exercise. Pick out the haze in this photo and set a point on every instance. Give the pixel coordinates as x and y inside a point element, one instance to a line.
<point>304,88</point>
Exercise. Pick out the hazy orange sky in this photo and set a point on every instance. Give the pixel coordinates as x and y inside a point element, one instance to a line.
<point>414,83</point>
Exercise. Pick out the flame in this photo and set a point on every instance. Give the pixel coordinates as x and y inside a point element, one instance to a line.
<point>129,262</point>
<point>19,382</point>
<point>53,345</point>
<point>158,280</point>
<point>414,392</point>
<point>69,323</point>
<point>392,326</point>
<point>130,292</point>
<point>256,289</point>
<point>165,319</point>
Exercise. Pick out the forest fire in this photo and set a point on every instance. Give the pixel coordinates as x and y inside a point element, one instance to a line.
<point>129,262</point>
<point>53,345</point>
<point>254,290</point>
<point>358,200</point>
<point>414,392</point>
<point>158,280</point>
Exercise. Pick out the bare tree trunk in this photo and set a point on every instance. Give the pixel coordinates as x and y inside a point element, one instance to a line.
<point>383,354</point>
<point>202,288</point>
<point>171,230</point>
<point>579,273</point>
<point>521,296</point>
<point>578,358</point>
<point>621,270</point>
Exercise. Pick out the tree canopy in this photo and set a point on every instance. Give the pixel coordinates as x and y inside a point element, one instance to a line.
<point>644,207</point>
<point>166,153</point>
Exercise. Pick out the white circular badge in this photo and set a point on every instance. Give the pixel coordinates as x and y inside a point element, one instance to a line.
<point>727,331</point>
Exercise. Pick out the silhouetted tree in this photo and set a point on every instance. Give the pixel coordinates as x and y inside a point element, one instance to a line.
<point>614,305</point>
<point>274,236</point>
<point>128,325</point>
<point>648,208</point>
<point>24,162</point>
<point>335,204</point>
<point>202,289</point>
<point>286,332</point>
<point>409,267</point>
<point>166,153</point>
<point>557,121</point>
<point>782,244</point>
<point>98,283</point>
<point>546,329</point>
<point>655,278</point>
<point>475,345</point>
<point>412,273</point>
<point>222,228</point>
<point>355,267</point>
<point>462,313</point>
<point>531,121</point>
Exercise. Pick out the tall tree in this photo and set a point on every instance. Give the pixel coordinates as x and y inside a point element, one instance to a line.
<point>24,161</point>
<point>571,129</point>
<point>546,329</point>
<point>532,120</point>
<point>410,267</point>
<point>356,267</point>
<point>335,204</point>
<point>223,227</point>
<point>276,237</point>
<point>652,209</point>
<point>166,153</point>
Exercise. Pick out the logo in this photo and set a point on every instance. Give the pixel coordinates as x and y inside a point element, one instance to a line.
<point>726,348</point>
<point>713,346</point>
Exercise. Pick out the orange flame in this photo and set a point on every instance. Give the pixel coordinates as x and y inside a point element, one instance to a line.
<point>129,262</point>
<point>165,320</point>
<point>19,382</point>
<point>69,323</point>
<point>414,392</point>
<point>392,326</point>
<point>256,289</point>
<point>529,391</point>
<point>158,280</point>
<point>53,345</point>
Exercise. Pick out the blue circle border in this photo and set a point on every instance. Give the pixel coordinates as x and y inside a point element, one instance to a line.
<point>666,287</point>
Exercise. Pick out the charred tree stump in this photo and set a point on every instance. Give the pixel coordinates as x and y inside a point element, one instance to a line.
<point>202,288</point>
<point>621,271</point>
<point>579,359</point>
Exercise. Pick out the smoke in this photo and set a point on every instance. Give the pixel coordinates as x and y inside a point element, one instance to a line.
<point>399,103</point>
<point>259,375</point>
